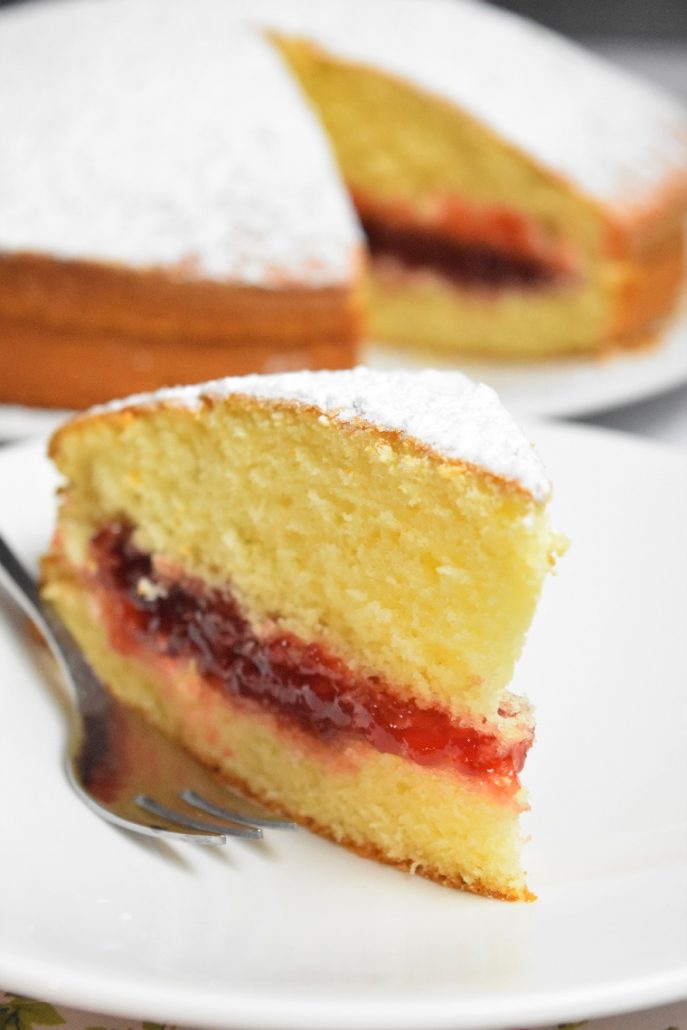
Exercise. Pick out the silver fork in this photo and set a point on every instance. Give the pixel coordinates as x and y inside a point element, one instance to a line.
<point>127,771</point>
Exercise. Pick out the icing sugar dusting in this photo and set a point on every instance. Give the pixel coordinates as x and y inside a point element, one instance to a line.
<point>168,133</point>
<point>446,411</point>
<point>162,132</point>
<point>141,132</point>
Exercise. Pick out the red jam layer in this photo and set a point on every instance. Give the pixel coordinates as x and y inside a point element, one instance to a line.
<point>473,245</point>
<point>475,265</point>
<point>299,682</point>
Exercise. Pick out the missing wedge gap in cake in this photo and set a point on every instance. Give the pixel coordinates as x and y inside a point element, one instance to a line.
<point>160,614</point>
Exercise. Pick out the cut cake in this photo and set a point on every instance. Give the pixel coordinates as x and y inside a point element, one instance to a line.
<point>319,583</point>
<point>519,196</point>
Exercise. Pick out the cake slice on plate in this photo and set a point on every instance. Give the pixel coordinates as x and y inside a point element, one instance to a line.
<point>319,583</point>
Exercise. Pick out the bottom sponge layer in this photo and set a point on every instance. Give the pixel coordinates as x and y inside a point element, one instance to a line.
<point>436,823</point>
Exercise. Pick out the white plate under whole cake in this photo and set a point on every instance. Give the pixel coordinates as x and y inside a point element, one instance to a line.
<point>573,387</point>
<point>297,934</point>
<point>579,386</point>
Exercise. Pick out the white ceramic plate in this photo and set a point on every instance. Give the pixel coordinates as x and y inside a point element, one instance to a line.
<point>574,387</point>
<point>18,422</point>
<point>300,935</point>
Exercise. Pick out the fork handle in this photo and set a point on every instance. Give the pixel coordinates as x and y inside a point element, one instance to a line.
<point>22,588</point>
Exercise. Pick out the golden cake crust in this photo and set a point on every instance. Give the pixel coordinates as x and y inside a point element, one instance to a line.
<point>651,253</point>
<point>79,332</point>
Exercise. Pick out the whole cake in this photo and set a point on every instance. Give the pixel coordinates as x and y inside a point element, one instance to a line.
<point>170,209</point>
<point>319,582</point>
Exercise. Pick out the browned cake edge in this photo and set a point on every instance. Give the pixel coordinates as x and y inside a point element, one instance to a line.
<point>77,333</point>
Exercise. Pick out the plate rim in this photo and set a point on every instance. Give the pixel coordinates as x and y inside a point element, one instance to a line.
<point>421,1013</point>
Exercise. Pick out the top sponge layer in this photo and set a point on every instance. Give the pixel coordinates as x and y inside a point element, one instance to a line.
<point>445,411</point>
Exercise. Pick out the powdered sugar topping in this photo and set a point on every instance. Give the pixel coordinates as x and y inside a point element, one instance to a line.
<point>446,411</point>
<point>162,132</point>
<point>143,133</point>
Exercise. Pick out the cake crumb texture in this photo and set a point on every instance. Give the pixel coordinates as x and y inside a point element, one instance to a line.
<point>400,560</point>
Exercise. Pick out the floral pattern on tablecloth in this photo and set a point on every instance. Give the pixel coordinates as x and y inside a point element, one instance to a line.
<point>19,1013</point>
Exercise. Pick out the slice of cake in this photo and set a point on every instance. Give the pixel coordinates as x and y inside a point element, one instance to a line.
<point>520,196</point>
<point>319,583</point>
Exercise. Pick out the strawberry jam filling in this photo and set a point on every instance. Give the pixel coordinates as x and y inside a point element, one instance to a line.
<point>300,682</point>
<point>461,264</point>
<point>490,247</point>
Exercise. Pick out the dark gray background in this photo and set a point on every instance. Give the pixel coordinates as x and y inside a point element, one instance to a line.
<point>581,18</point>
<point>658,19</point>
